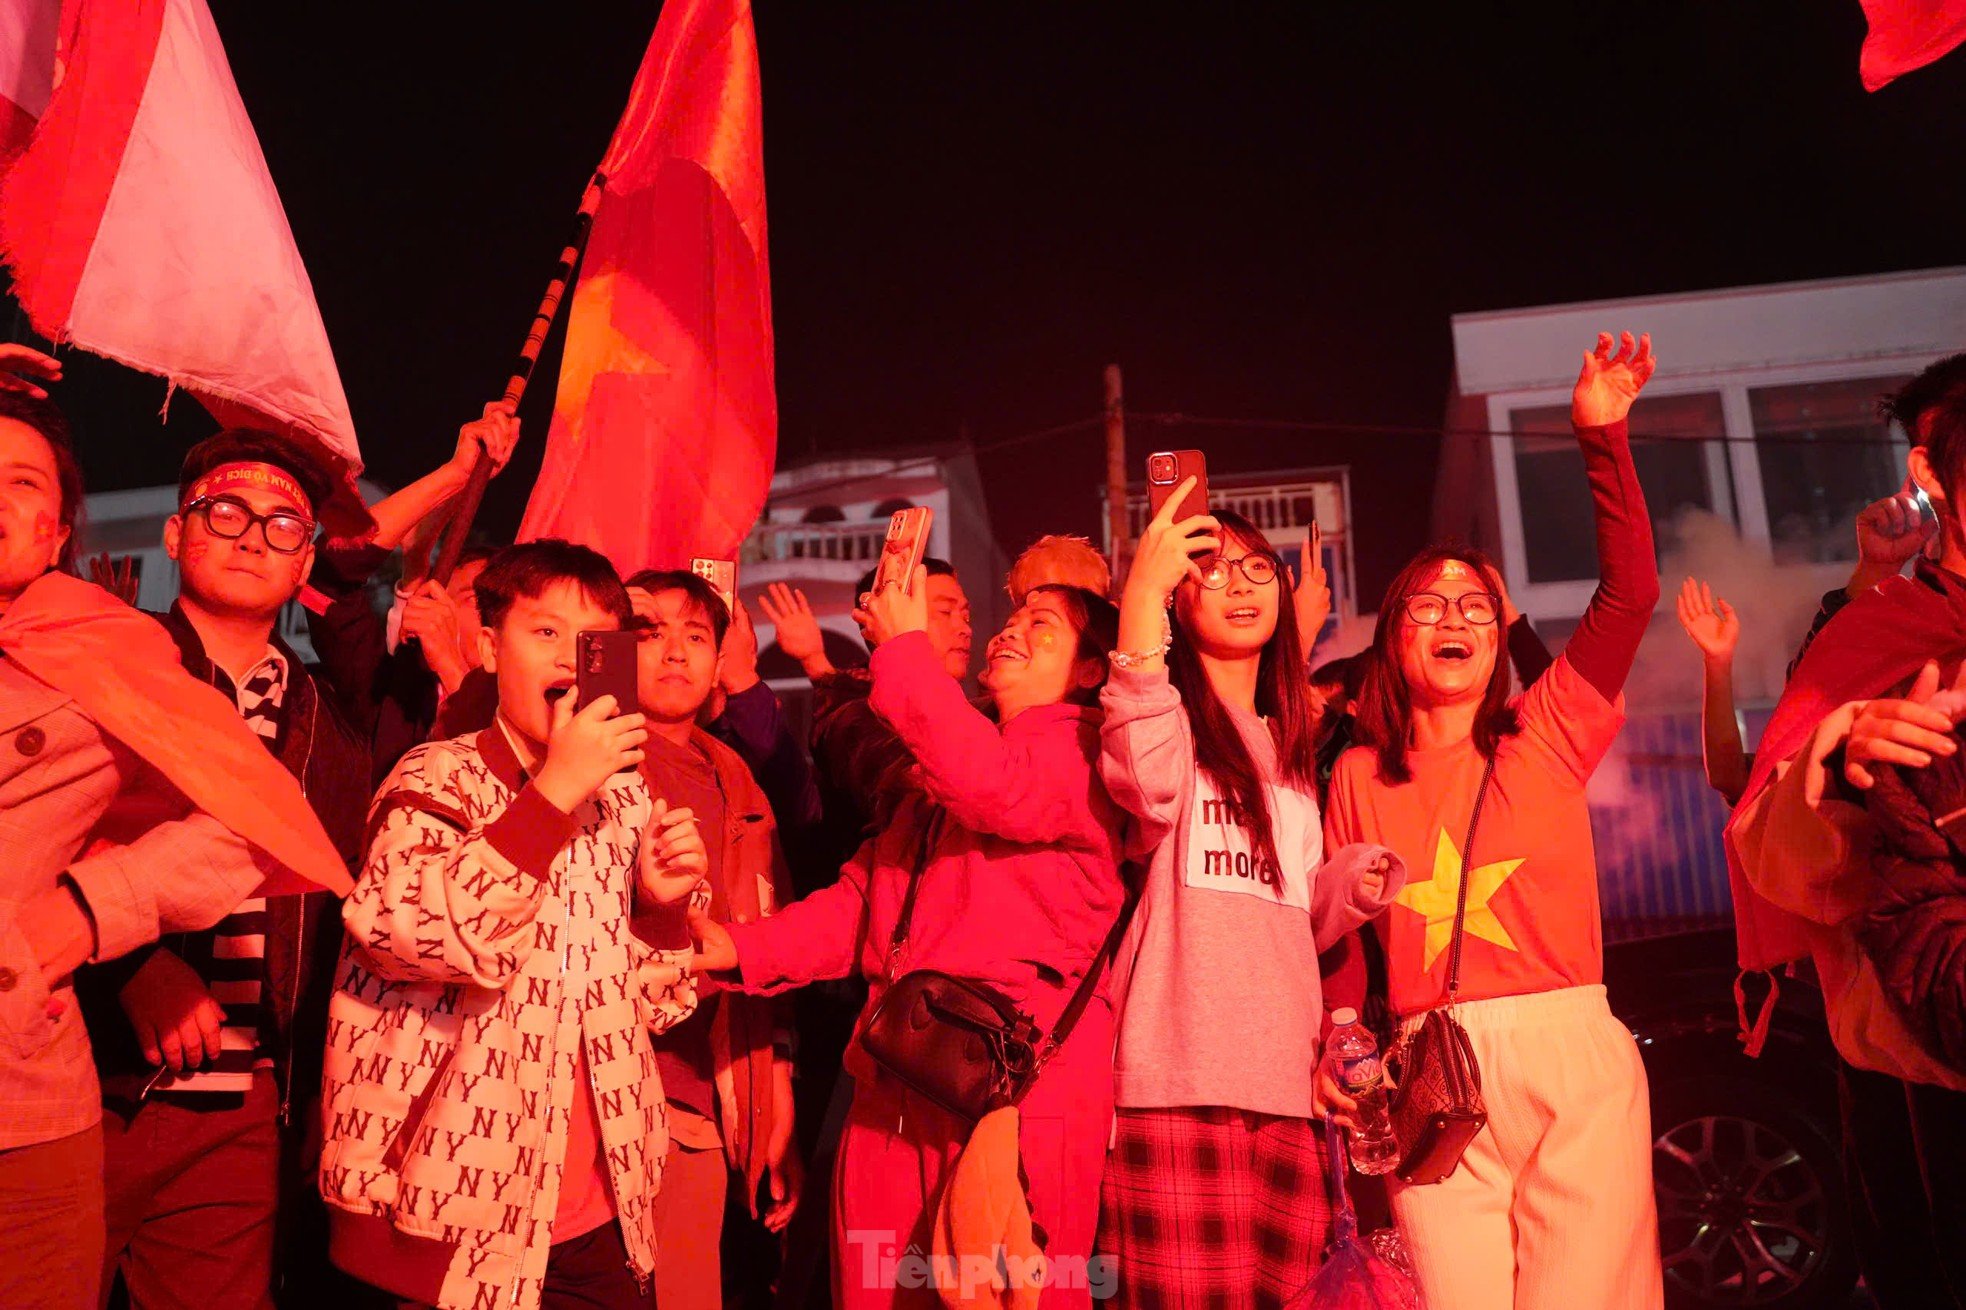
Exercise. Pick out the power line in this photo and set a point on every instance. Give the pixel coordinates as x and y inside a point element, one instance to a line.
<point>924,462</point>
<point>1395,429</point>
<point>1179,420</point>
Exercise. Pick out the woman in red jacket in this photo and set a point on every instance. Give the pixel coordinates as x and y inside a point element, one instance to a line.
<point>1551,1208</point>
<point>1019,889</point>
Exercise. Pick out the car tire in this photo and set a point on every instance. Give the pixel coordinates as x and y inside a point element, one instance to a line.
<point>1752,1208</point>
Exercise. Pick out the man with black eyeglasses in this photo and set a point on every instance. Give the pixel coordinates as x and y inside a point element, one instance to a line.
<point>210,1043</point>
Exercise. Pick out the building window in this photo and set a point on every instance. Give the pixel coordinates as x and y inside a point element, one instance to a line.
<point>1671,436</point>
<point>1824,455</point>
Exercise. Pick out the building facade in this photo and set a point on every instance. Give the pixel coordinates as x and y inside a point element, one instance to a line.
<point>1757,443</point>
<point>822,530</point>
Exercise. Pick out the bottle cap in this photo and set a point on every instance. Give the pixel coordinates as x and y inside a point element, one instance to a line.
<point>1340,1018</point>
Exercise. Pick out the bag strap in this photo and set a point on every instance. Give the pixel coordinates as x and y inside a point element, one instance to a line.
<point>1082,994</point>
<point>1467,870</point>
<point>931,834</point>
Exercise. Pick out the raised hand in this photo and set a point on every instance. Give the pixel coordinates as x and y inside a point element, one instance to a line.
<point>673,859</point>
<point>739,670</point>
<point>1164,557</point>
<point>430,616</point>
<point>118,577</point>
<point>1891,531</point>
<point>1708,620</point>
<point>585,749</point>
<point>1313,598</point>
<point>894,609</point>
<point>496,434</point>
<point>1610,382</point>
<point>790,614</point>
<point>24,369</point>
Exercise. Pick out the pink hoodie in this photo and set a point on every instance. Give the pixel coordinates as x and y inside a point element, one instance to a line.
<point>1023,883</point>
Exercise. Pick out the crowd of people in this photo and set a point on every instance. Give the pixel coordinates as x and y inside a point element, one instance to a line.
<point>406,977</point>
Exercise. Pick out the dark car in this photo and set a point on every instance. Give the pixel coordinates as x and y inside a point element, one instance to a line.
<point>1745,1157</point>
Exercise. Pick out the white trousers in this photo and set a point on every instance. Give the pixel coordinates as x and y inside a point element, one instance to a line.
<point>1551,1208</point>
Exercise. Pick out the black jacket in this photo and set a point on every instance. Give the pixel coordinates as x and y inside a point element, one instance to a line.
<point>390,697</point>
<point>1914,927</point>
<point>303,933</point>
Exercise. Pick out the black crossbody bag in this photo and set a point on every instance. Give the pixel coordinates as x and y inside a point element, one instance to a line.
<point>962,1043</point>
<point>1437,1109</point>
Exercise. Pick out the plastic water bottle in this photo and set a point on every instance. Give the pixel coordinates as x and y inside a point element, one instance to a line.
<point>1355,1059</point>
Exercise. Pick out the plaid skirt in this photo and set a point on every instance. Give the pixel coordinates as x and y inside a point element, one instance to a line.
<point>1207,1208</point>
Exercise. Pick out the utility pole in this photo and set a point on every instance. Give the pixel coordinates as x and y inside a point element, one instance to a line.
<point>1116,525</point>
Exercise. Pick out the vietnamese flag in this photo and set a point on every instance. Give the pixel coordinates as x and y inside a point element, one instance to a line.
<point>141,223</point>
<point>1907,34</point>
<point>665,427</point>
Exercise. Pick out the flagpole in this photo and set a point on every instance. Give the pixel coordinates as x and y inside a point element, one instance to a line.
<point>515,387</point>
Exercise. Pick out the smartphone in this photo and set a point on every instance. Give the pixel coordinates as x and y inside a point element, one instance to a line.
<point>1168,469</point>
<point>721,574</point>
<point>604,665</point>
<point>906,544</point>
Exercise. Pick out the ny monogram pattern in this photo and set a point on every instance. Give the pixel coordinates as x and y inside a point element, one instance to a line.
<point>466,985</point>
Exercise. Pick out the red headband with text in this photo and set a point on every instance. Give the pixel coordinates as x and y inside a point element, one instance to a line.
<point>248,474</point>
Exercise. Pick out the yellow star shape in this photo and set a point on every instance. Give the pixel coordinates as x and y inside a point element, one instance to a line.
<point>1434,900</point>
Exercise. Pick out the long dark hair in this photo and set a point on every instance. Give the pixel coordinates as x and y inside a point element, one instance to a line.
<point>1385,712</point>
<point>1282,696</point>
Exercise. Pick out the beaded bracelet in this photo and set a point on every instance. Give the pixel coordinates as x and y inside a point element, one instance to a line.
<point>1130,660</point>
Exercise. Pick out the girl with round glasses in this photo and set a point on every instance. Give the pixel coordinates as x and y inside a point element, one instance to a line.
<point>1212,1192</point>
<point>1551,1208</point>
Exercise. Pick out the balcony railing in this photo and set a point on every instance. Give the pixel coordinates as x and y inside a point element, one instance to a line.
<point>851,543</point>
<point>1273,508</point>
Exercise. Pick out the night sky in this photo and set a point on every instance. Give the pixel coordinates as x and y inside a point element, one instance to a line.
<point>1258,212</point>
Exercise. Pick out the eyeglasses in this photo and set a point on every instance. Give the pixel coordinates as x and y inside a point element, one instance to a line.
<point>1259,569</point>
<point>1427,609</point>
<point>285,533</point>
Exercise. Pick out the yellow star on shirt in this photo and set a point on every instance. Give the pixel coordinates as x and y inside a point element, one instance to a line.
<point>1434,900</point>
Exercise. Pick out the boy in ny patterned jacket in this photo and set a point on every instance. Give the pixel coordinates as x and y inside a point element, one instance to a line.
<point>495,1122</point>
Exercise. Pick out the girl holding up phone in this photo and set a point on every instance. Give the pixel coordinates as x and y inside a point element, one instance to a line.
<point>1214,1191</point>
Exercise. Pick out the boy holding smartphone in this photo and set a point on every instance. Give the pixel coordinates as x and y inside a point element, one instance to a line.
<point>496,1126</point>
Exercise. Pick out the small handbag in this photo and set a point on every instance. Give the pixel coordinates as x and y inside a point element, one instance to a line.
<point>1437,1107</point>
<point>961,1043</point>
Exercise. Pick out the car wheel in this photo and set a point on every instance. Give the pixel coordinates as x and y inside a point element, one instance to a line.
<point>1751,1201</point>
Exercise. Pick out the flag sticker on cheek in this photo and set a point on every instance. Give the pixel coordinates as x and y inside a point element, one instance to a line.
<point>195,553</point>
<point>44,527</point>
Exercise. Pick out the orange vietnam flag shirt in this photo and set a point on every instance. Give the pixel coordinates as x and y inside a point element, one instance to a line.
<point>1533,923</point>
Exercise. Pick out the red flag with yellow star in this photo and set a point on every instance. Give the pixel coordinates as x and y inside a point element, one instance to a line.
<point>666,424</point>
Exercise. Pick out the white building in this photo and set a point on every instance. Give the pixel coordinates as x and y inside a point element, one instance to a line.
<point>1283,504</point>
<point>823,527</point>
<point>1757,442</point>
